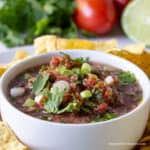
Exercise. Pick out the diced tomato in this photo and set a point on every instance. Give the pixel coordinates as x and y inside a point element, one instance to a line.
<point>102,107</point>
<point>90,82</point>
<point>41,104</point>
<point>42,101</point>
<point>107,93</point>
<point>55,61</point>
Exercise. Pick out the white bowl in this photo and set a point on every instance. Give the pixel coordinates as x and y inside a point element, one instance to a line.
<point>117,134</point>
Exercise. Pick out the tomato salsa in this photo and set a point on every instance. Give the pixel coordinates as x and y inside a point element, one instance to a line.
<point>77,90</point>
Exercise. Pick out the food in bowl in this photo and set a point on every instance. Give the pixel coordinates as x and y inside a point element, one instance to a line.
<point>68,90</point>
<point>40,134</point>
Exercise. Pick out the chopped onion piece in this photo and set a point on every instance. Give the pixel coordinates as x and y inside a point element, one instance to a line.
<point>109,80</point>
<point>38,98</point>
<point>62,85</point>
<point>17,91</point>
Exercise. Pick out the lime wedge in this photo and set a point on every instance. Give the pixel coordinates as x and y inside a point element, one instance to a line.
<point>136,21</point>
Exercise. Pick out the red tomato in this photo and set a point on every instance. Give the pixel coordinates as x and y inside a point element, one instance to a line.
<point>42,101</point>
<point>55,61</point>
<point>97,16</point>
<point>120,5</point>
<point>102,107</point>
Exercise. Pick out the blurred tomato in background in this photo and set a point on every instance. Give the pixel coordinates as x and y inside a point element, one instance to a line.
<point>120,5</point>
<point>96,16</point>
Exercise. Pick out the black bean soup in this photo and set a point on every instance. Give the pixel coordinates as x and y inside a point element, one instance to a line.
<point>77,90</point>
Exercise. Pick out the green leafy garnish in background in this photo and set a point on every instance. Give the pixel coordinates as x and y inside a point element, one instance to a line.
<point>23,20</point>
<point>39,83</point>
<point>127,77</point>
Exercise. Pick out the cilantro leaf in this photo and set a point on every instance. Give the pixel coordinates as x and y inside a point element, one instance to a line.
<point>81,60</point>
<point>10,37</point>
<point>54,99</point>
<point>127,77</point>
<point>71,107</point>
<point>39,83</point>
<point>23,20</point>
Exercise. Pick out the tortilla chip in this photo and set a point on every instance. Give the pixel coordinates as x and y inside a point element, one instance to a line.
<point>20,54</point>
<point>8,140</point>
<point>145,139</point>
<point>145,148</point>
<point>135,48</point>
<point>3,68</point>
<point>45,43</point>
<point>74,44</point>
<point>106,45</point>
<point>142,60</point>
<point>48,43</point>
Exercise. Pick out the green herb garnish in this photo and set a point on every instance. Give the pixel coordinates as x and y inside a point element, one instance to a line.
<point>106,117</point>
<point>71,107</point>
<point>64,71</point>
<point>81,60</point>
<point>39,83</point>
<point>127,77</point>
<point>89,104</point>
<point>43,68</point>
<point>54,99</point>
<point>66,55</point>
<point>86,94</point>
<point>27,76</point>
<point>29,103</point>
<point>85,68</point>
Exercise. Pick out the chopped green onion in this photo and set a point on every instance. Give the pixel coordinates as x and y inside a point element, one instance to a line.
<point>43,68</point>
<point>106,117</point>
<point>85,68</point>
<point>86,110</point>
<point>49,118</point>
<point>63,70</point>
<point>90,104</point>
<point>27,76</point>
<point>76,71</point>
<point>29,103</point>
<point>86,94</point>
<point>109,116</point>
<point>127,77</point>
